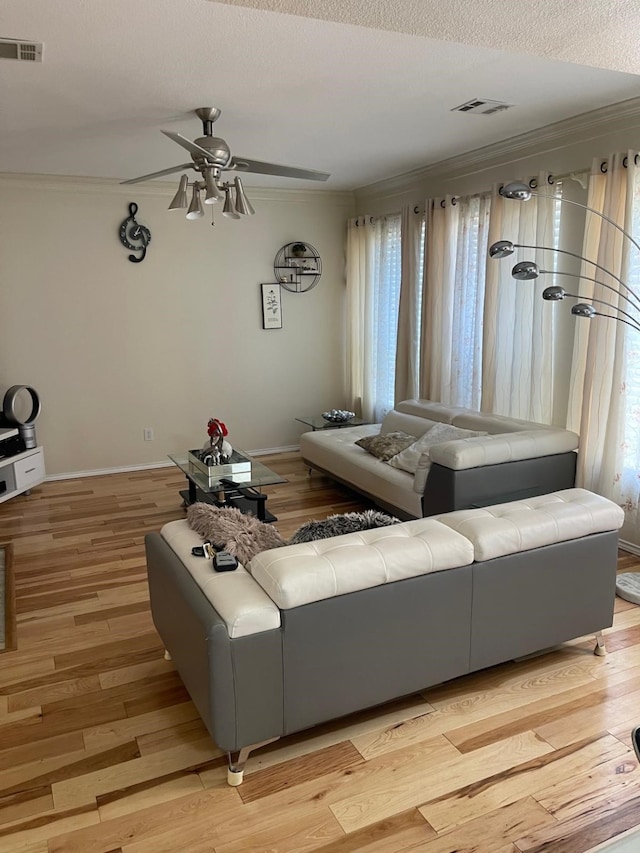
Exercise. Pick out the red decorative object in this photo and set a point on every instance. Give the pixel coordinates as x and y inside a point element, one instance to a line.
<point>218,451</point>
<point>216,428</point>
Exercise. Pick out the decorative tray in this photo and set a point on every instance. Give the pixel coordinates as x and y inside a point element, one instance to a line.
<point>338,416</point>
<point>238,468</point>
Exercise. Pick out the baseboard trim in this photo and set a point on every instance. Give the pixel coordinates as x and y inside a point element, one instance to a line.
<point>629,546</point>
<point>266,450</point>
<point>99,472</point>
<point>149,466</point>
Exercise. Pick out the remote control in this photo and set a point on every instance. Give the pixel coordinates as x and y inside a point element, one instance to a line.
<point>204,550</point>
<point>231,484</point>
<point>223,561</point>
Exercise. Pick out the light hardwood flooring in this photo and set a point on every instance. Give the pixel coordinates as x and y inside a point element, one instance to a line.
<point>101,750</point>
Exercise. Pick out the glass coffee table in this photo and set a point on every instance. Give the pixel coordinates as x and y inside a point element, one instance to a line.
<point>224,485</point>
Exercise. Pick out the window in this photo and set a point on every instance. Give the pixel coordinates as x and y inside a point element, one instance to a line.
<point>469,282</point>
<point>385,301</point>
<point>451,301</point>
<point>631,381</point>
<point>456,238</point>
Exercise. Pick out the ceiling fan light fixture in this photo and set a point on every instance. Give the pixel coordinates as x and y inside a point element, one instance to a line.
<point>243,205</point>
<point>179,201</point>
<point>211,158</point>
<point>195,208</point>
<point>213,193</point>
<point>229,209</point>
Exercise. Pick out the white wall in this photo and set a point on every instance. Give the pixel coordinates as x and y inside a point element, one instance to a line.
<point>113,347</point>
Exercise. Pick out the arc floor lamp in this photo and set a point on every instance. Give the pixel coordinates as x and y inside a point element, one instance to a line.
<point>529,270</point>
<point>627,583</point>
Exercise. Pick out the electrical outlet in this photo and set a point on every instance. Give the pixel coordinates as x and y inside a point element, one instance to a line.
<point>148,434</point>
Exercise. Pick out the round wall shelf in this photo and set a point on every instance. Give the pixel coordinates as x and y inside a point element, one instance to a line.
<point>297,267</point>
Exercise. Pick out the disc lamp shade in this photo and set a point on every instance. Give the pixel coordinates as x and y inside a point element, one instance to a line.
<point>525,271</point>
<point>501,249</point>
<point>554,294</point>
<point>518,191</point>
<point>584,310</point>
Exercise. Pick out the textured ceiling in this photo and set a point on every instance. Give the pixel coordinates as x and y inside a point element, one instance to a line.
<point>365,96</point>
<point>601,33</point>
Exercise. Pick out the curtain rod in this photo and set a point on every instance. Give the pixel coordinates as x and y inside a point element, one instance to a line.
<point>574,175</point>
<point>604,166</point>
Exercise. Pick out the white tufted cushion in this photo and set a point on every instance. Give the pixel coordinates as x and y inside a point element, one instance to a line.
<point>238,599</point>
<point>522,525</point>
<point>312,571</point>
<point>411,424</point>
<point>495,424</point>
<point>507,447</point>
<point>429,409</point>
<point>509,439</point>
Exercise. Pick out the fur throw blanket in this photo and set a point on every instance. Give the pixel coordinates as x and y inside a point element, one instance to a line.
<point>336,525</point>
<point>228,529</point>
<point>244,536</point>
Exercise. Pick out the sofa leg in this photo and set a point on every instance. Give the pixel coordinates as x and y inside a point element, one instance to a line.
<point>600,648</point>
<point>167,655</point>
<point>238,760</point>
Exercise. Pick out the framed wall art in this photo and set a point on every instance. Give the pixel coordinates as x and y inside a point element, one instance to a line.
<point>271,306</point>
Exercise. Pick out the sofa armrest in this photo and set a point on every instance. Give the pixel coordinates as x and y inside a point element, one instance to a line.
<point>504,447</point>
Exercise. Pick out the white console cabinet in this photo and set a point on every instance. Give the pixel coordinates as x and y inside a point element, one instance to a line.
<point>21,472</point>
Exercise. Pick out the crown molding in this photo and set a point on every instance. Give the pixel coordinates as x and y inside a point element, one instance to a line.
<point>591,125</point>
<point>163,189</point>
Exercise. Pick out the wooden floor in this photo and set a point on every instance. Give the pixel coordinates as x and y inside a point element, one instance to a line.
<point>101,750</point>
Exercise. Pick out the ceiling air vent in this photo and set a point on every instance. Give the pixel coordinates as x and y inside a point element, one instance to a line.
<point>26,51</point>
<point>482,107</point>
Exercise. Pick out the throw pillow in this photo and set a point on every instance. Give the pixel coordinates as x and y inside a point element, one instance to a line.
<point>421,474</point>
<point>227,528</point>
<point>409,457</point>
<point>336,525</point>
<point>385,446</point>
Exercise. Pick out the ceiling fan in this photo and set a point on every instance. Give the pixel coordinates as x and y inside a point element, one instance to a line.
<point>212,157</point>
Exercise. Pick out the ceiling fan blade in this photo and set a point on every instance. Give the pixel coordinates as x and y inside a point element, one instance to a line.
<point>243,164</point>
<point>159,174</point>
<point>188,144</point>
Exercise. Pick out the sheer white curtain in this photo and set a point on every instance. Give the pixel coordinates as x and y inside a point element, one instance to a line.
<point>519,328</point>
<point>604,404</point>
<point>454,287</point>
<point>407,385</point>
<point>373,291</point>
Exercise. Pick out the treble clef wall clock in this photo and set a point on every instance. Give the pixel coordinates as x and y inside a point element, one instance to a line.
<point>134,236</point>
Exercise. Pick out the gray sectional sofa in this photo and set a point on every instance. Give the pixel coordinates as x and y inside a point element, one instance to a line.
<point>516,459</point>
<point>310,632</point>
